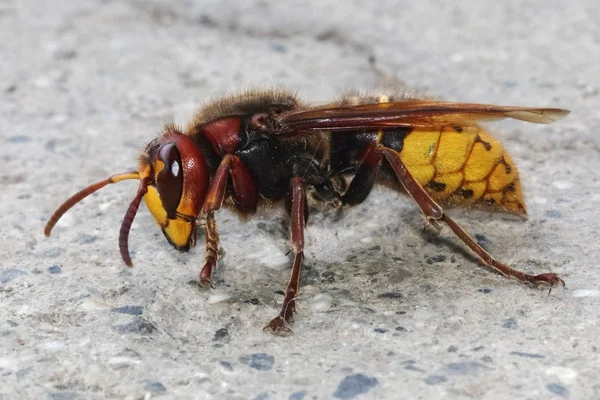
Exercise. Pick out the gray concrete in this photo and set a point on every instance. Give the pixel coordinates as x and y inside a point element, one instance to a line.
<point>385,311</point>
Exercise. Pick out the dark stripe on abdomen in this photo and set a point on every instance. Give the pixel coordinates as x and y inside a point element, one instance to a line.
<point>394,138</point>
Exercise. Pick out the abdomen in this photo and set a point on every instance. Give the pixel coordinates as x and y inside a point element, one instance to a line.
<point>463,166</point>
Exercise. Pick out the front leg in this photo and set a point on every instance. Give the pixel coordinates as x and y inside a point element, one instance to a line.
<point>212,251</point>
<point>245,198</point>
<point>280,324</point>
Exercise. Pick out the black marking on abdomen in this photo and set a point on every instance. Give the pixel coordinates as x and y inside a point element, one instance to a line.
<point>507,166</point>
<point>436,186</point>
<point>510,188</point>
<point>394,138</point>
<point>465,193</point>
<point>485,144</point>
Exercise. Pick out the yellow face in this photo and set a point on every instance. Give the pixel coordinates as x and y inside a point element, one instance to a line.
<point>177,231</point>
<point>176,191</point>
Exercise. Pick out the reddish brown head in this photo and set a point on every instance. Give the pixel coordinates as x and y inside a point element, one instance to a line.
<point>173,182</point>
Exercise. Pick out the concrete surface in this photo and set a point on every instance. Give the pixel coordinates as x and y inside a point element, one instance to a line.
<point>385,311</point>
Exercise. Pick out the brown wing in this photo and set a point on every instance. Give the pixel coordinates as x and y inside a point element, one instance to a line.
<point>408,114</point>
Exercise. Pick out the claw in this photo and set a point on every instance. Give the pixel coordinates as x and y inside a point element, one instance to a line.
<point>278,326</point>
<point>205,276</point>
<point>548,280</point>
<point>434,223</point>
<point>203,282</point>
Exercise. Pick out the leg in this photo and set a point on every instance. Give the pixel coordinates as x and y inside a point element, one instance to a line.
<point>245,198</point>
<point>245,192</point>
<point>279,324</point>
<point>212,251</point>
<point>218,185</point>
<point>434,213</point>
<point>213,202</point>
<point>364,179</point>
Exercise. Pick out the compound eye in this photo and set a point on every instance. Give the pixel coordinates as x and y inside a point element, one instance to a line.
<point>169,181</point>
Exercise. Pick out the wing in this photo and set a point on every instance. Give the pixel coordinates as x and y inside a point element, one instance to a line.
<point>408,114</point>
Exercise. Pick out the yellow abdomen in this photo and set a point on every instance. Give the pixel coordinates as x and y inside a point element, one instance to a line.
<point>463,166</point>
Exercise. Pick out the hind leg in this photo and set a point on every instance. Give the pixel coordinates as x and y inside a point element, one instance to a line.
<point>435,214</point>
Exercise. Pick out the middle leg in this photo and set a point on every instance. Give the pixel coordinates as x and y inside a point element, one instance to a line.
<point>280,324</point>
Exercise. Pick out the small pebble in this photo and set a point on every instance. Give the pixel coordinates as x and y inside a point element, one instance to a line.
<point>64,396</point>
<point>390,295</point>
<point>353,385</point>
<point>528,355</point>
<point>558,389</point>
<point>436,259</point>
<point>298,395</point>
<point>129,310</point>
<point>19,139</point>
<point>412,367</point>
<point>226,366</point>
<point>553,214</point>
<point>86,239</point>
<point>435,379</point>
<point>264,396</point>
<point>139,325</point>
<point>482,240</point>
<point>509,323</point>
<point>261,361</point>
<point>7,275</point>
<point>278,47</point>
<point>55,269</point>
<point>155,387</point>
<point>258,361</point>
<point>222,334</point>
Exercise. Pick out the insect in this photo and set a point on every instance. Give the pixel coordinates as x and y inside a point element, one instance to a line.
<point>269,147</point>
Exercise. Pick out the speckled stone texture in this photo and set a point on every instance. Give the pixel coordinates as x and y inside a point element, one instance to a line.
<point>386,311</point>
